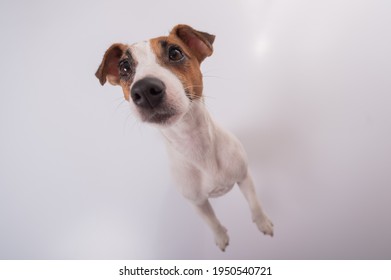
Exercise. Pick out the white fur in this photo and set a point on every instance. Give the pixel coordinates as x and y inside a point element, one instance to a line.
<point>206,160</point>
<point>147,66</point>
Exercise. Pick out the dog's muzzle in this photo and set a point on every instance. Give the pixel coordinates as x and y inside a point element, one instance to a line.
<point>149,96</point>
<point>148,92</point>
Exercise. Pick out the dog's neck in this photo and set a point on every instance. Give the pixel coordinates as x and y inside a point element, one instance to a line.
<point>194,134</point>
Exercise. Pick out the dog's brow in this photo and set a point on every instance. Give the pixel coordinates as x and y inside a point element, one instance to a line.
<point>163,43</point>
<point>129,57</point>
<point>128,54</point>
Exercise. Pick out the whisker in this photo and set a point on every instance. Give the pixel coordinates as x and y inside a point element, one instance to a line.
<point>133,123</point>
<point>212,76</point>
<point>192,96</point>
<point>124,126</point>
<point>193,86</point>
<point>120,104</point>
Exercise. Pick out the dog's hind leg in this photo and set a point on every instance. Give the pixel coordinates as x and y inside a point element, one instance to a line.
<point>220,232</point>
<point>259,217</point>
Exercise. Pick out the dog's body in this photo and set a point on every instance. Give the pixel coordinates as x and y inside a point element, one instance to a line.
<point>163,79</point>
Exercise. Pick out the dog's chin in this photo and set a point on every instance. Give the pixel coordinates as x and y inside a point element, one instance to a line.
<point>161,118</point>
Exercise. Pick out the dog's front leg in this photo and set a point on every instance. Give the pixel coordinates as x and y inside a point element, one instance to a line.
<point>259,217</point>
<point>220,232</point>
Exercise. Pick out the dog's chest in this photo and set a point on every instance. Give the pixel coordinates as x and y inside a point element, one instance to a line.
<point>205,159</point>
<point>216,187</point>
<point>204,167</point>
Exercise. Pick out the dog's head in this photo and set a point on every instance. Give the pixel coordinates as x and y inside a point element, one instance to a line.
<point>159,77</point>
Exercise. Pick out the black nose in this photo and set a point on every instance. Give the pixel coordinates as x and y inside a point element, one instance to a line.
<point>148,92</point>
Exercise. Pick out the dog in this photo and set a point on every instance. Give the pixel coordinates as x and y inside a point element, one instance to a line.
<point>162,81</point>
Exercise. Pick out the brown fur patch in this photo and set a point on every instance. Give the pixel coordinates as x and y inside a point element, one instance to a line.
<point>201,43</point>
<point>108,69</point>
<point>187,70</point>
<point>126,88</point>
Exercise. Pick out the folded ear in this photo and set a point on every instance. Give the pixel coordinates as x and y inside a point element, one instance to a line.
<point>108,69</point>
<point>199,42</point>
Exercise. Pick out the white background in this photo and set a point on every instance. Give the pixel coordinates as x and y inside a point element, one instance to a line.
<point>305,85</point>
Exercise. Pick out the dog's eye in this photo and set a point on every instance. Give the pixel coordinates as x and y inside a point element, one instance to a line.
<point>124,68</point>
<point>175,53</point>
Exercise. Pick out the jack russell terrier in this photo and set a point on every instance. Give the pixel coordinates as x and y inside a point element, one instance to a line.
<point>162,81</point>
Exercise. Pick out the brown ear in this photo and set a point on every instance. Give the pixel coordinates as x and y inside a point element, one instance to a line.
<point>108,69</point>
<point>199,42</point>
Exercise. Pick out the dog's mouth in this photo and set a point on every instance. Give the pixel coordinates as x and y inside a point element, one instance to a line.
<point>159,118</point>
<point>161,115</point>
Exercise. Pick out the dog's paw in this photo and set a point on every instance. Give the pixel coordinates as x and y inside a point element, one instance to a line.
<point>264,225</point>
<point>222,239</point>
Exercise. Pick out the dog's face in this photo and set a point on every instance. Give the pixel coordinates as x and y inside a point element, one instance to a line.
<point>159,77</point>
